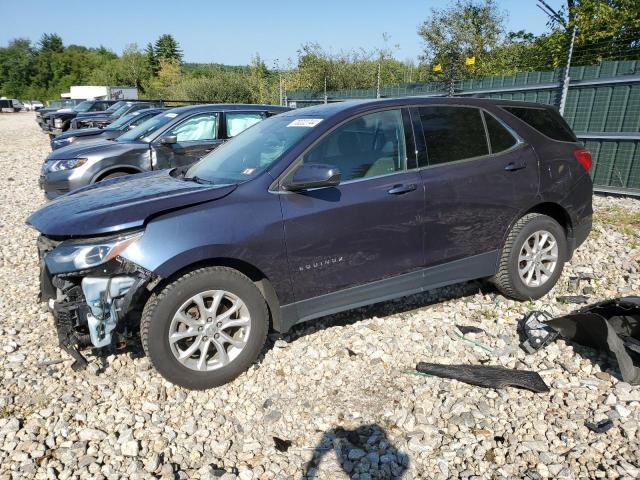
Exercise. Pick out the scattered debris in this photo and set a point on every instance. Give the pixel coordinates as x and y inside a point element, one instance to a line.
<point>612,326</point>
<point>351,352</point>
<point>281,445</point>
<point>578,299</point>
<point>464,329</point>
<point>473,342</point>
<point>499,439</point>
<point>486,376</point>
<point>602,426</point>
<point>534,332</point>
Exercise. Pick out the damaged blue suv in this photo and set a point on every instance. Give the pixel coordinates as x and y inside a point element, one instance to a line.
<point>308,213</point>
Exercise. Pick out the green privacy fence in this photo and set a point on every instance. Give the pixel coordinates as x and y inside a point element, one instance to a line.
<point>602,107</point>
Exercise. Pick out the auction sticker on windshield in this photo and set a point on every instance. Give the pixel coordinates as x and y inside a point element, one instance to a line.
<point>305,122</point>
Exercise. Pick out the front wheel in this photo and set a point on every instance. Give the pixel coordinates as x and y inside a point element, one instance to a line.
<point>532,258</point>
<point>205,328</point>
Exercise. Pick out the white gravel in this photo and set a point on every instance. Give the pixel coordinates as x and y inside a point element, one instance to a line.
<point>338,389</point>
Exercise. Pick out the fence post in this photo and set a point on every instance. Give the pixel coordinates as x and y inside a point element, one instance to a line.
<point>378,84</point>
<point>326,98</point>
<point>566,80</point>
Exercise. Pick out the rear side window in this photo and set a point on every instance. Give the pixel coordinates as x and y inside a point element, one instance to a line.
<point>453,133</point>
<point>544,121</point>
<point>238,122</point>
<point>499,137</point>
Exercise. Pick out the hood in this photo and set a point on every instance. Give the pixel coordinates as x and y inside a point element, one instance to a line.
<point>120,204</point>
<point>91,114</point>
<point>84,132</point>
<point>103,148</point>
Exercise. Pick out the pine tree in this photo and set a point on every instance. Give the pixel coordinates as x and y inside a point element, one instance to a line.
<point>168,48</point>
<point>152,58</point>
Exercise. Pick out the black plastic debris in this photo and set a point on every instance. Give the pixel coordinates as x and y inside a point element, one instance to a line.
<point>602,426</point>
<point>281,445</point>
<point>486,376</point>
<point>534,332</point>
<point>578,299</point>
<point>351,352</point>
<point>464,329</point>
<point>612,326</point>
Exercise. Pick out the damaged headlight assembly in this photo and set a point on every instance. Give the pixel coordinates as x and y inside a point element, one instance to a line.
<point>99,291</point>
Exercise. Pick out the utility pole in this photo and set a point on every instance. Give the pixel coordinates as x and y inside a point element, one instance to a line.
<point>326,98</point>
<point>565,83</point>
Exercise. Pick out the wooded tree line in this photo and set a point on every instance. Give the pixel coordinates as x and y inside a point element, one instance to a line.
<point>466,39</point>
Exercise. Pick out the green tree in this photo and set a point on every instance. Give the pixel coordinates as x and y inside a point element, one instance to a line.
<point>166,47</point>
<point>51,42</point>
<point>152,59</point>
<point>468,28</point>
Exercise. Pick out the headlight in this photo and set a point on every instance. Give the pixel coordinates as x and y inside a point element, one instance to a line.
<point>59,165</point>
<point>57,123</point>
<point>64,141</point>
<point>74,255</point>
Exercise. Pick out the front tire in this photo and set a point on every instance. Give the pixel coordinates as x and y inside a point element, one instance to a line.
<point>532,258</point>
<point>205,328</point>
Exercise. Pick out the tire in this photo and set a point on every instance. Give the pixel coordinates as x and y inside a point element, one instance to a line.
<point>160,319</point>
<point>113,175</point>
<point>508,279</point>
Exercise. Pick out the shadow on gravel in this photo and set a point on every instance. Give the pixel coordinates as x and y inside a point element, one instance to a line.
<point>365,450</point>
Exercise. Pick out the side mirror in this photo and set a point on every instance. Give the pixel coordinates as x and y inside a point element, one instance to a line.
<point>169,140</point>
<point>312,175</point>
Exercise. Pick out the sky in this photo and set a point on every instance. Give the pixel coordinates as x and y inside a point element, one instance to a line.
<point>232,32</point>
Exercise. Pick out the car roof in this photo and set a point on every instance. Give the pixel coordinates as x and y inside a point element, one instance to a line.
<point>357,106</point>
<point>228,107</point>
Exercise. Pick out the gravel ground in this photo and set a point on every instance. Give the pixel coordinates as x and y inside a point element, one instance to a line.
<point>335,398</point>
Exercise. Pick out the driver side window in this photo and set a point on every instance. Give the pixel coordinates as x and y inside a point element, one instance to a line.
<point>368,146</point>
<point>200,127</point>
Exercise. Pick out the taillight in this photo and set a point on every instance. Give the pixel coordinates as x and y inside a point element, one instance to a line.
<point>584,158</point>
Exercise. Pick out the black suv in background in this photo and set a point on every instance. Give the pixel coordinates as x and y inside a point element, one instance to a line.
<point>104,119</point>
<point>54,106</point>
<point>55,123</point>
<point>175,138</point>
<point>308,213</point>
<point>112,131</point>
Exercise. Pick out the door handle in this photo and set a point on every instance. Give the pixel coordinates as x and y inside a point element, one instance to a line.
<point>400,189</point>
<point>512,167</point>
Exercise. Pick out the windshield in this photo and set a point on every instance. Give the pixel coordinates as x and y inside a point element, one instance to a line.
<point>123,121</point>
<point>251,152</point>
<point>119,111</point>
<point>147,127</point>
<point>83,106</point>
<point>115,107</point>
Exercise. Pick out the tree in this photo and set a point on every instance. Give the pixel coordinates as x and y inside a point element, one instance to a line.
<point>51,42</point>
<point>152,59</point>
<point>166,47</point>
<point>468,28</point>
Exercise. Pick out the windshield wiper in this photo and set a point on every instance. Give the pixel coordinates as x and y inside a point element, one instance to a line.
<point>200,180</point>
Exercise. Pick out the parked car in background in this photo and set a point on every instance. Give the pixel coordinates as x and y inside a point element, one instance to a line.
<point>112,131</point>
<point>176,138</point>
<point>36,105</point>
<point>26,105</point>
<point>54,106</point>
<point>10,105</point>
<point>57,122</point>
<point>312,212</point>
<point>104,119</point>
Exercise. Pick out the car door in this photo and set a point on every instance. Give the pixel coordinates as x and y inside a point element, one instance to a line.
<point>367,228</point>
<point>478,176</point>
<point>195,135</point>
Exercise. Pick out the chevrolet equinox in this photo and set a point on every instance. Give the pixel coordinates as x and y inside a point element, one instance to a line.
<point>308,213</point>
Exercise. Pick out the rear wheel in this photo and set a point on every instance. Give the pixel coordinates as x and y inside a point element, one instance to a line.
<point>532,258</point>
<point>205,328</point>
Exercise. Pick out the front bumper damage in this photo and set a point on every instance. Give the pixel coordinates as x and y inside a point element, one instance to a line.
<point>96,307</point>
